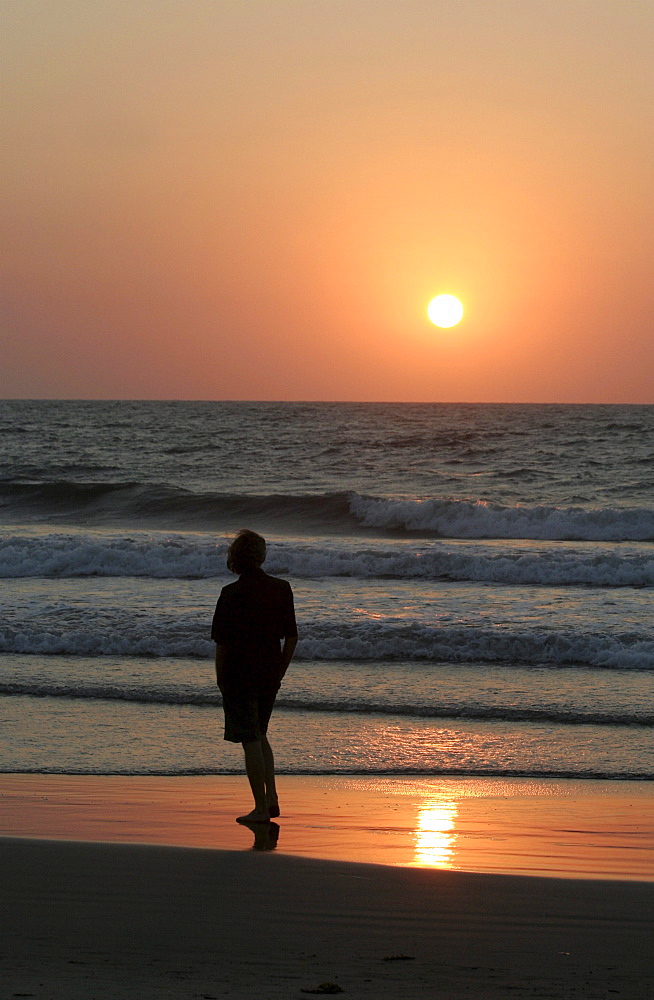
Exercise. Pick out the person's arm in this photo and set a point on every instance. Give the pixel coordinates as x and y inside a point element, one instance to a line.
<point>288,648</point>
<point>221,652</point>
<point>288,630</point>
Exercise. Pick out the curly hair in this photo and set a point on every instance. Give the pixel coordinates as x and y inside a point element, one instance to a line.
<point>247,552</point>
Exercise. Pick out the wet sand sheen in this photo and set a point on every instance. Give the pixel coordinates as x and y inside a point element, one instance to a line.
<point>563,828</point>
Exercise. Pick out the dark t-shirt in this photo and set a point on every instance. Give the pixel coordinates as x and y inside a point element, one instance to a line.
<point>252,615</point>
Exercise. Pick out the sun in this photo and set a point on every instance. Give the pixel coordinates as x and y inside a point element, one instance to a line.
<point>445,310</point>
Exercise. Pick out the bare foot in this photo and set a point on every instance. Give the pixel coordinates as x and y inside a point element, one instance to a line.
<point>273,809</point>
<point>256,816</point>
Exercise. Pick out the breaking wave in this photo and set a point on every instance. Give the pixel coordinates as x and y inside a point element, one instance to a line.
<point>165,636</point>
<point>184,557</point>
<point>327,513</point>
<point>479,519</point>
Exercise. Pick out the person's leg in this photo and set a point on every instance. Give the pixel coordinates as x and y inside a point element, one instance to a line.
<point>269,777</point>
<point>265,703</point>
<point>255,769</point>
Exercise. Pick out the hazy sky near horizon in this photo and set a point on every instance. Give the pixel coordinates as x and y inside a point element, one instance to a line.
<point>256,199</point>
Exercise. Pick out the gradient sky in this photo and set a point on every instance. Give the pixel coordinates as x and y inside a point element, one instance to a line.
<point>256,199</point>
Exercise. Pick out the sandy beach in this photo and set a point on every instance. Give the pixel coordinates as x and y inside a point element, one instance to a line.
<point>83,918</point>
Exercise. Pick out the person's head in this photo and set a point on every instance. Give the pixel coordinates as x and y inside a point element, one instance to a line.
<point>247,552</point>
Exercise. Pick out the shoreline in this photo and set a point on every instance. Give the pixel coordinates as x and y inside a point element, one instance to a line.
<point>560,828</point>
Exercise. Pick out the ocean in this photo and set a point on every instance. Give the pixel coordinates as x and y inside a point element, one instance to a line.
<point>473,585</point>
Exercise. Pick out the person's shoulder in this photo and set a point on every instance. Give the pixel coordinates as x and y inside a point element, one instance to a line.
<point>277,582</point>
<point>255,580</point>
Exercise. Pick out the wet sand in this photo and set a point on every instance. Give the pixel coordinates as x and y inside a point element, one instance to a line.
<point>82,919</point>
<point>562,828</point>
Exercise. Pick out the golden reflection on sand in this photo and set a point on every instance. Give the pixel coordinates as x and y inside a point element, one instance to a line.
<point>435,835</point>
<point>562,828</point>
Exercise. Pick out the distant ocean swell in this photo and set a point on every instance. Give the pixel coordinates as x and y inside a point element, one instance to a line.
<point>149,695</point>
<point>102,503</point>
<point>118,634</point>
<point>179,557</point>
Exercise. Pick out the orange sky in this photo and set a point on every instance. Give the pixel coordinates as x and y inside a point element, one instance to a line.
<point>214,199</point>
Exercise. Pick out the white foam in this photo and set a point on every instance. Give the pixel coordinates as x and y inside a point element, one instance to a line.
<point>161,636</point>
<point>479,519</point>
<point>471,644</point>
<point>184,557</point>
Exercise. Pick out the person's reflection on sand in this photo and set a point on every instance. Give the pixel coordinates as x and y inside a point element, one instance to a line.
<point>266,835</point>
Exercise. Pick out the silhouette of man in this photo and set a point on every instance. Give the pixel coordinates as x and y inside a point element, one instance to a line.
<point>255,634</point>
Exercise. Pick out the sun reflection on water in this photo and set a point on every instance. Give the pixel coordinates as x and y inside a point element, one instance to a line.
<point>435,836</point>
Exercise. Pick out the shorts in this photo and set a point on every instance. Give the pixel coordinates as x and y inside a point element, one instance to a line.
<point>247,714</point>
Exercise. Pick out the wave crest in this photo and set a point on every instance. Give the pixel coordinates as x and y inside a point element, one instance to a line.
<point>164,636</point>
<point>330,513</point>
<point>480,519</point>
<point>182,557</point>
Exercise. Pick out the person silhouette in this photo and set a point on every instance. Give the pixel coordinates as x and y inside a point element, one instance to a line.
<point>255,633</point>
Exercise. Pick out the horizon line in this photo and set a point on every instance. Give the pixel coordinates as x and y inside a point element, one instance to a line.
<point>315,402</point>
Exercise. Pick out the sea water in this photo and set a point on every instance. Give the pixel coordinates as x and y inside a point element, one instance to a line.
<point>473,584</point>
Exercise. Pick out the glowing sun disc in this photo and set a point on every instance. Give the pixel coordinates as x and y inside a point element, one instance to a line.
<point>445,310</point>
